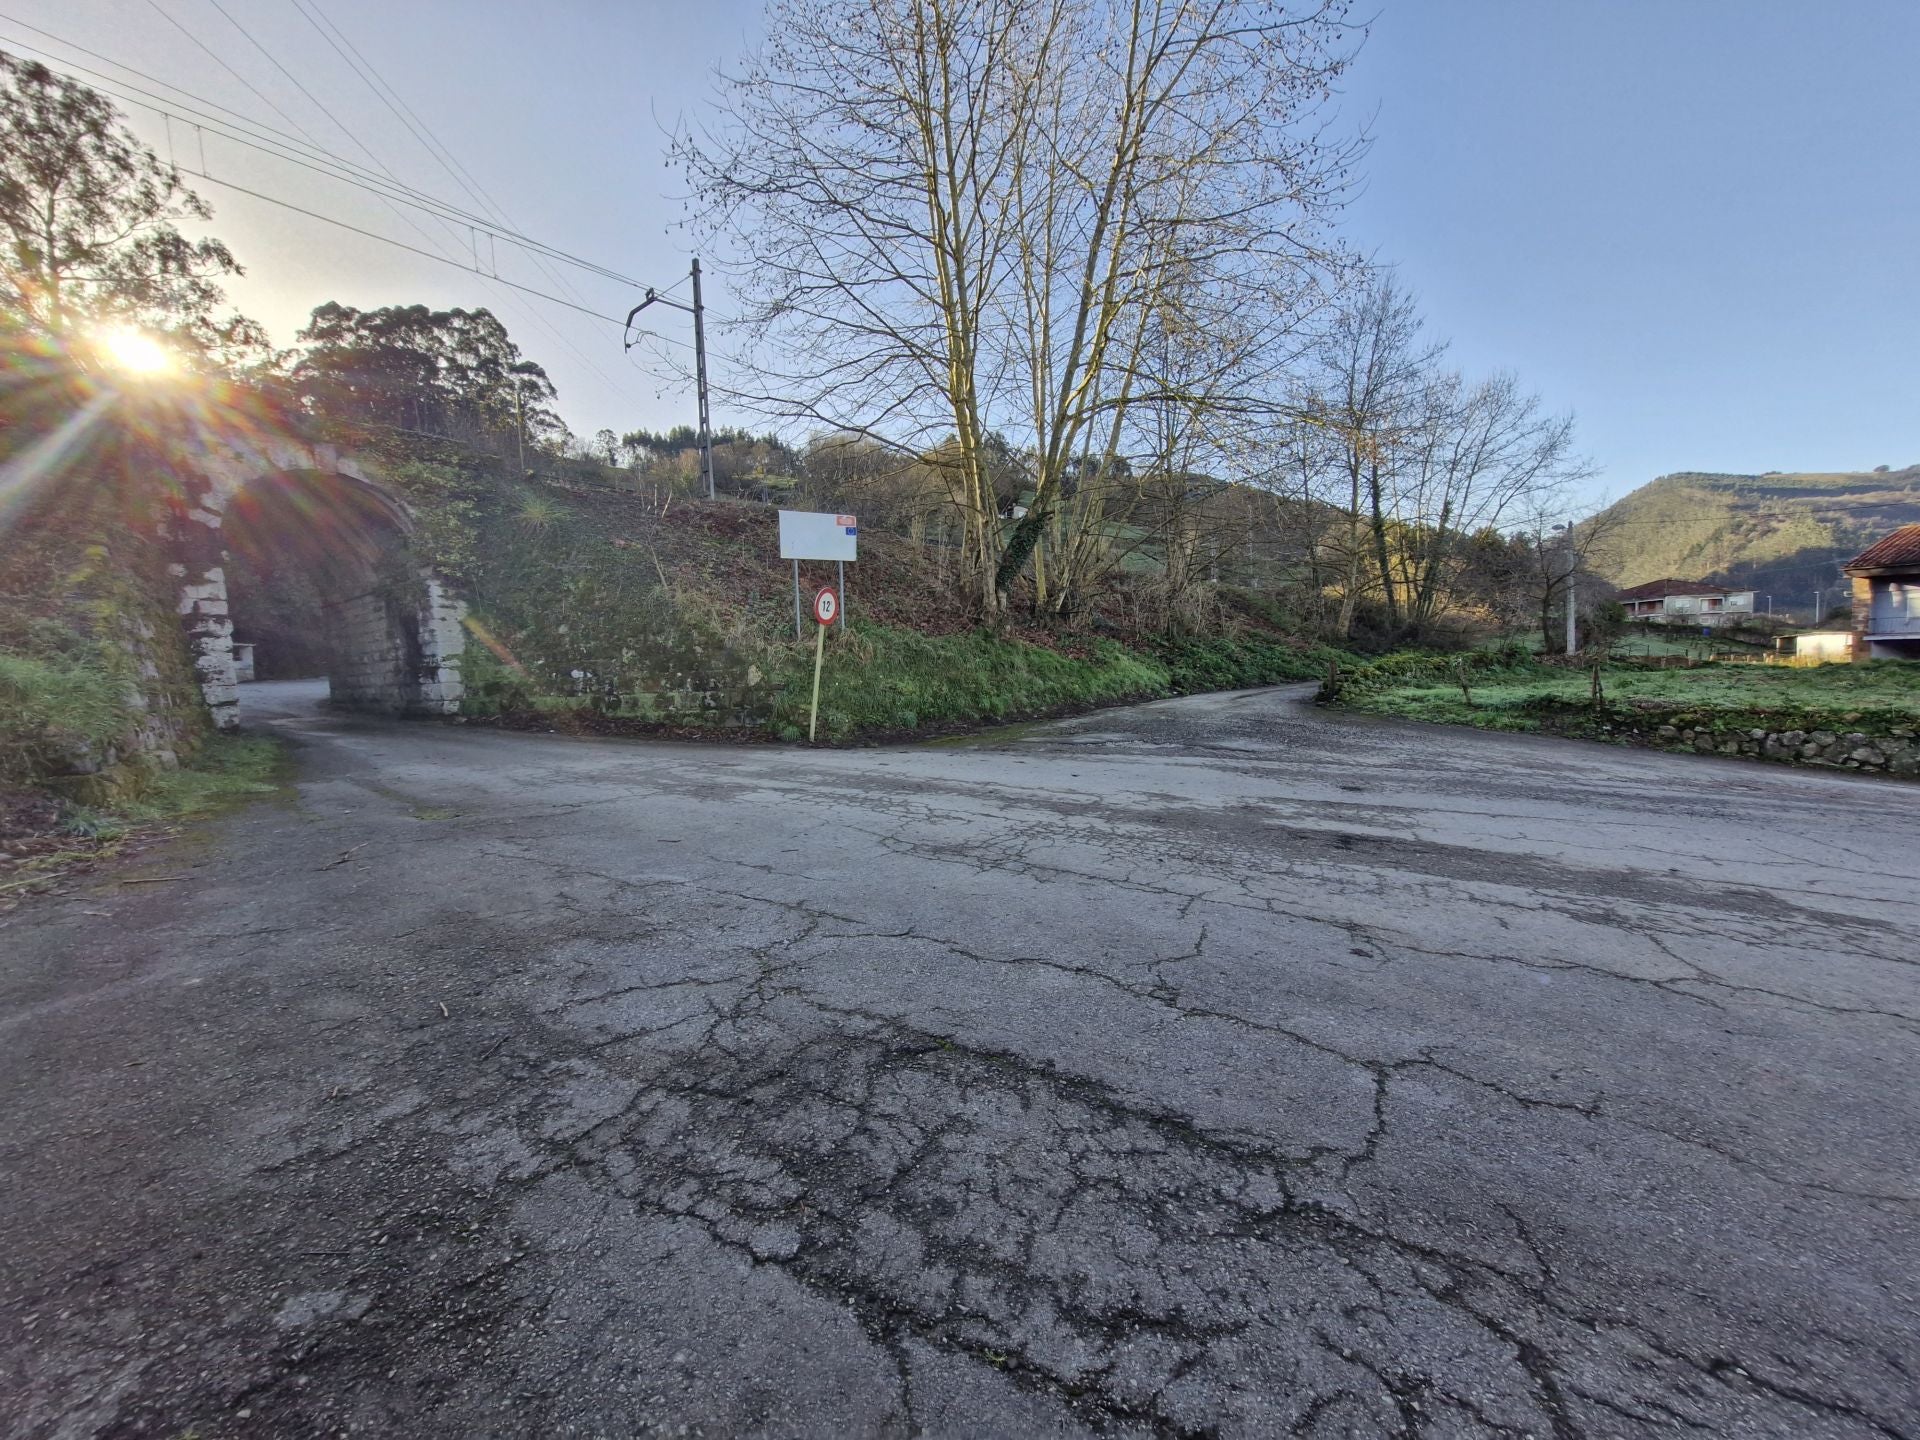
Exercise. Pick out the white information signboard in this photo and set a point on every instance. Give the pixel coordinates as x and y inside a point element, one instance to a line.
<point>810,535</point>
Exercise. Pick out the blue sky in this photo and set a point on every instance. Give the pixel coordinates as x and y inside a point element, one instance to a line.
<point>1696,225</point>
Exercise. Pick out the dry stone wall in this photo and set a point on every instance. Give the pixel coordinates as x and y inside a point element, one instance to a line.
<point>1892,748</point>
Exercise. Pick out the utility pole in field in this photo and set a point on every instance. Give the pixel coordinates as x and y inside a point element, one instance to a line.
<point>699,312</point>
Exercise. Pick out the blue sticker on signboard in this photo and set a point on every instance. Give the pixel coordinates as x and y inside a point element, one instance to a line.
<point>853,529</point>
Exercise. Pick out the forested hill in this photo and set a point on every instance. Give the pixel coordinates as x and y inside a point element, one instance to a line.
<point>1783,534</point>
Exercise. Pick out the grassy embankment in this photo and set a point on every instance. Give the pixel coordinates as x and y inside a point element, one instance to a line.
<point>595,611</point>
<point>884,680</point>
<point>1713,707</point>
<point>45,839</point>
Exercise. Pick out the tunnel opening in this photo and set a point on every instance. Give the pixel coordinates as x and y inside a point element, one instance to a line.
<point>306,573</point>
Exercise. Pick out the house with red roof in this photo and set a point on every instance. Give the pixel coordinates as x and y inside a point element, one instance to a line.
<point>1686,602</point>
<point>1886,596</point>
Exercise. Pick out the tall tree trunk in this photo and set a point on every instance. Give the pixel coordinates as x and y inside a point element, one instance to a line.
<point>1380,544</point>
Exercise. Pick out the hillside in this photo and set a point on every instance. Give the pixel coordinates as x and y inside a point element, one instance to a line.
<point>599,608</point>
<point>1783,534</point>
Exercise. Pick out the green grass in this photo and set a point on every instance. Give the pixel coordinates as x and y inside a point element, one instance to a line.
<point>884,680</point>
<point>229,769</point>
<point>1871,698</point>
<point>53,706</point>
<point>1234,662</point>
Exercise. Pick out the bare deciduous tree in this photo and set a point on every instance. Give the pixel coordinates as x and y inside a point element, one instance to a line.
<point>1373,365</point>
<point>1476,457</point>
<point>960,216</point>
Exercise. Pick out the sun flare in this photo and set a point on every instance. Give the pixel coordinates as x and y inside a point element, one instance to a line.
<point>134,352</point>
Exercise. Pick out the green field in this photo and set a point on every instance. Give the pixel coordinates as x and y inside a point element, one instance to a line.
<point>1520,696</point>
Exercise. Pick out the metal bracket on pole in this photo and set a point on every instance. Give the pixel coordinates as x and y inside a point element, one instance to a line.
<point>699,313</point>
<point>700,365</point>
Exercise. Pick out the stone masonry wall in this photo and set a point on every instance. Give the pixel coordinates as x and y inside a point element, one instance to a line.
<point>203,615</point>
<point>1894,750</point>
<point>443,642</point>
<point>397,657</point>
<point>372,657</point>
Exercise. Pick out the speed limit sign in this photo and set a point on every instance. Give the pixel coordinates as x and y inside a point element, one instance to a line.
<point>826,605</point>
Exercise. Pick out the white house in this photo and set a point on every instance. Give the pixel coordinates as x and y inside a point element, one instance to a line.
<point>1686,602</point>
<point>1886,595</point>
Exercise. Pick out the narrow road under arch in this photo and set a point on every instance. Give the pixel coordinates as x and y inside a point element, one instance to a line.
<point>1213,1067</point>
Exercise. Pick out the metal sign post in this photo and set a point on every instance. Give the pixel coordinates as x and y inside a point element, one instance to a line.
<point>826,605</point>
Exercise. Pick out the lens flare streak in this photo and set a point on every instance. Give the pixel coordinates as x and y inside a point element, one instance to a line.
<point>23,476</point>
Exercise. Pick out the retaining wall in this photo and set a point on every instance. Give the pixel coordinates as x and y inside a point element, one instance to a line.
<point>1892,749</point>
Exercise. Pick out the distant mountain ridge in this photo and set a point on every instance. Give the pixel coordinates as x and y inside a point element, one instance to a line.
<point>1783,534</point>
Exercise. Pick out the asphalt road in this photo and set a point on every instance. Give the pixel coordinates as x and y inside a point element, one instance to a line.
<point>1213,1067</point>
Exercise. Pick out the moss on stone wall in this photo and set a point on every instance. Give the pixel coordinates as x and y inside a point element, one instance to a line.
<point>96,687</point>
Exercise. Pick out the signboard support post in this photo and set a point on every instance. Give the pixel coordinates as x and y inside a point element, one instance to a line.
<point>826,609</point>
<point>819,654</point>
<point>796,600</point>
<point>842,592</point>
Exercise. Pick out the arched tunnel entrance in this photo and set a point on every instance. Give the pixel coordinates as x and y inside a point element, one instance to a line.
<point>298,563</point>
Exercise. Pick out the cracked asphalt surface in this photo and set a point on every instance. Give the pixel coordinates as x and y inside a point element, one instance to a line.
<point>1219,1066</point>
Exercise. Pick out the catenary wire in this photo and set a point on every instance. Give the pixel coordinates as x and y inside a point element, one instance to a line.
<point>269,140</point>
<point>370,183</point>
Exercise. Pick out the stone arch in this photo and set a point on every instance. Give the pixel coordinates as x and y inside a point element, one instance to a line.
<point>393,625</point>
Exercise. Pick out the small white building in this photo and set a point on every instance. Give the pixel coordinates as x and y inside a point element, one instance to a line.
<point>1686,602</point>
<point>1825,647</point>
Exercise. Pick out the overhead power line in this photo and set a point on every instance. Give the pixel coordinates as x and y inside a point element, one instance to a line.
<point>408,117</point>
<point>364,149</point>
<point>240,129</point>
<point>302,149</point>
<point>307,153</point>
<point>398,244</point>
<point>435,255</point>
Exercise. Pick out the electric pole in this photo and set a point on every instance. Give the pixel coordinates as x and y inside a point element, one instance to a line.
<point>699,313</point>
<point>700,370</point>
